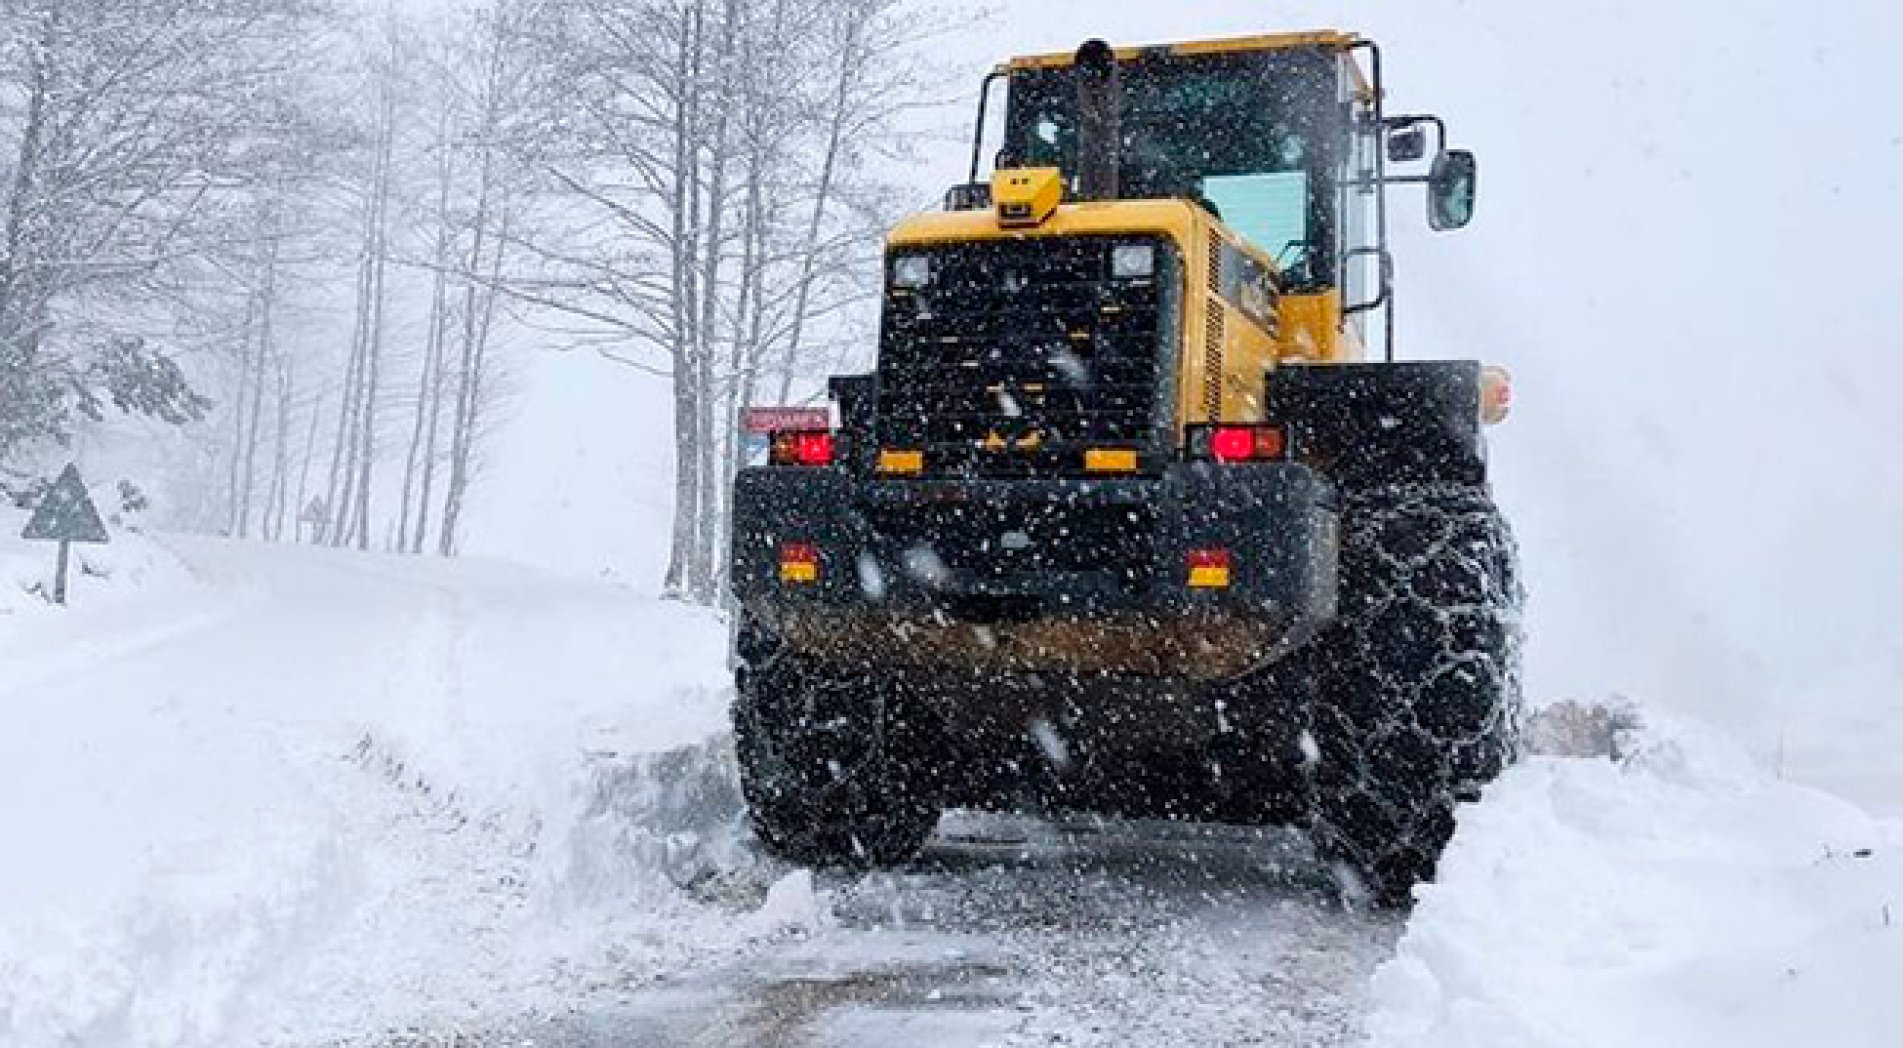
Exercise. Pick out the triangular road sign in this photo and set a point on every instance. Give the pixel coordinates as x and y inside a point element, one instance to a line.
<point>67,514</point>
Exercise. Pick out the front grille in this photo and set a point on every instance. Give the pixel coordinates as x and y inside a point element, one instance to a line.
<point>1018,353</point>
<point>1217,323</point>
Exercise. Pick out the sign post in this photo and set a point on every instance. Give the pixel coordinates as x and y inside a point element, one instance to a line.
<point>66,515</point>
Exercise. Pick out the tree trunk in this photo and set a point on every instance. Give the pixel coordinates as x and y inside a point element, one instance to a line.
<point>683,204</point>
<point>281,453</point>
<point>715,422</point>
<point>373,351</point>
<point>259,358</point>
<point>240,405</point>
<point>469,386</point>
<point>748,330</point>
<point>19,274</point>
<point>429,384</point>
<point>849,63</point>
<point>304,481</point>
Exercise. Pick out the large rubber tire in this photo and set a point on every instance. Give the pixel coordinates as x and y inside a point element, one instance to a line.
<point>1417,684</point>
<point>833,776</point>
<point>1257,756</point>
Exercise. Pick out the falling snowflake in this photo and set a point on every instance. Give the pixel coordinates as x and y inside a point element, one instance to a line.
<point>924,564</point>
<point>1069,366</point>
<point>871,577</point>
<point>1055,749</point>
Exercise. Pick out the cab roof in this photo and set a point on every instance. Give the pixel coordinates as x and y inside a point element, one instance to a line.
<point>1327,39</point>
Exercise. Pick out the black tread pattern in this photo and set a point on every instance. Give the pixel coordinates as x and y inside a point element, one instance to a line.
<point>831,778</point>
<point>1417,701</point>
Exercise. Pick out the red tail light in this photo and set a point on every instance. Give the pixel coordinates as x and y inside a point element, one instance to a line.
<point>814,449</point>
<point>802,447</point>
<point>1232,444</point>
<point>1238,443</point>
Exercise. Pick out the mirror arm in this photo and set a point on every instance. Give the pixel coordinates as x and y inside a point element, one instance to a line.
<point>1391,180</point>
<point>978,135</point>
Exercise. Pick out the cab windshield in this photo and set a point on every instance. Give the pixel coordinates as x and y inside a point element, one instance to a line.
<point>1254,137</point>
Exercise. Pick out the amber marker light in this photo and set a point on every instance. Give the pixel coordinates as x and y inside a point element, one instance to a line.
<point>901,463</point>
<point>1110,460</point>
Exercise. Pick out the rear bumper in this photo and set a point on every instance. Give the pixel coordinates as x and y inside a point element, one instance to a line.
<point>1071,575</point>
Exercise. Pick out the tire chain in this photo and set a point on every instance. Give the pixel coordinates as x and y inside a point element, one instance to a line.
<point>1418,682</point>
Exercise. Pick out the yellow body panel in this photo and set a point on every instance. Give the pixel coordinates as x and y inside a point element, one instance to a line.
<point>1327,38</point>
<point>1224,355</point>
<point>1173,218</point>
<point>1313,331</point>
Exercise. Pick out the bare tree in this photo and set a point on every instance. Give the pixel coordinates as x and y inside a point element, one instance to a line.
<point>709,146</point>
<point>343,225</point>
<point>502,126</point>
<point>137,123</point>
<point>354,454</point>
<point>419,471</point>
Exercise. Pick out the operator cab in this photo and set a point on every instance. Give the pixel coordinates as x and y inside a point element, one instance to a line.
<point>1256,137</point>
<point>1280,137</point>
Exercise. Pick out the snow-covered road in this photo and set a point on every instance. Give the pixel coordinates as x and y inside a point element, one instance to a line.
<point>1016,932</point>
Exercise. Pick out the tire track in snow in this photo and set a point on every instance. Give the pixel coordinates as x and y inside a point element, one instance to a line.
<point>1015,932</point>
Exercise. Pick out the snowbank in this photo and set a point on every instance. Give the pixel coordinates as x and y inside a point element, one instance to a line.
<point>287,795</point>
<point>1676,896</point>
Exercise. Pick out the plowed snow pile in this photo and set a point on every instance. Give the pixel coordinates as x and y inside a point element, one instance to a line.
<point>254,794</point>
<point>1673,896</point>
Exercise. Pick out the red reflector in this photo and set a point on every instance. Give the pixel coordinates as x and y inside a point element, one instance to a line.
<point>798,553</point>
<point>1269,442</point>
<point>1208,569</point>
<point>1232,444</point>
<point>1209,558</point>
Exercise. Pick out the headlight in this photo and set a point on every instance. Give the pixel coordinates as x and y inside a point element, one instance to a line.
<point>911,271</point>
<point>1132,261</point>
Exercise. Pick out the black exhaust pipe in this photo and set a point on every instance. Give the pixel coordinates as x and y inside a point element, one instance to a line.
<point>1099,121</point>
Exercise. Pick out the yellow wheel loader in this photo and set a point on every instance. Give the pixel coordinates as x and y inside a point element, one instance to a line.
<point>1138,513</point>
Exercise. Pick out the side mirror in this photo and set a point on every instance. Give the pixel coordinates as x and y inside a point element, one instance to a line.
<point>1451,186</point>
<point>1407,145</point>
